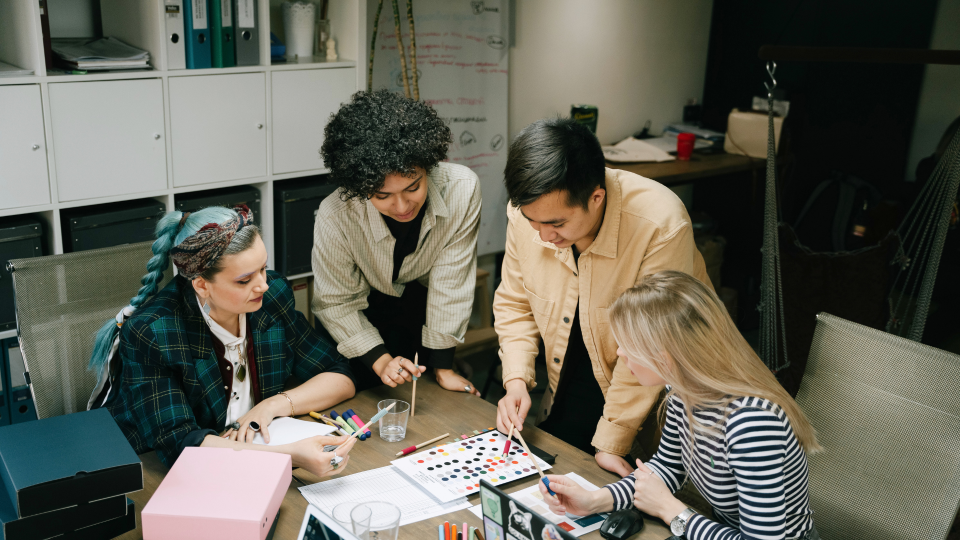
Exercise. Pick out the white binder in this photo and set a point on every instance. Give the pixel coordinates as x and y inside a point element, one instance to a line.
<point>173,18</point>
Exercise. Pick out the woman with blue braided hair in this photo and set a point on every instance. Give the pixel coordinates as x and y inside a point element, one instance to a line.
<point>203,361</point>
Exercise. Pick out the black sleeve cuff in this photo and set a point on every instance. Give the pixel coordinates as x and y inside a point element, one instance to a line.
<point>370,357</point>
<point>436,358</point>
<point>194,438</point>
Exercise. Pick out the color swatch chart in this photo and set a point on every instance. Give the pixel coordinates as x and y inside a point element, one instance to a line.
<point>454,469</point>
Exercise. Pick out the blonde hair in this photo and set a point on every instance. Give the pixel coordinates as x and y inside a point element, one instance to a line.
<point>676,326</point>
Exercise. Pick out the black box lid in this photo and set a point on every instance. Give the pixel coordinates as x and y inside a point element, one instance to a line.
<point>114,213</point>
<point>312,187</point>
<point>20,229</point>
<point>57,522</point>
<point>191,202</point>
<point>66,460</point>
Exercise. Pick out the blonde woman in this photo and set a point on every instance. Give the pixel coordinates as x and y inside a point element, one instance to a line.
<point>730,427</point>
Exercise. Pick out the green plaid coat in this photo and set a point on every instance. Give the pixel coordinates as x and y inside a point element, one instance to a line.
<point>170,391</point>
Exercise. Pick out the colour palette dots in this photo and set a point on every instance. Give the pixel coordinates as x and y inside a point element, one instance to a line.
<point>454,470</point>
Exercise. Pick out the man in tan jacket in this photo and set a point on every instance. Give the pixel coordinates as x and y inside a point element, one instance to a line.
<point>578,235</point>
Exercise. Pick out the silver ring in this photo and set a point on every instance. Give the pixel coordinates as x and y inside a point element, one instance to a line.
<point>400,371</point>
<point>234,426</point>
<point>467,388</point>
<point>254,425</point>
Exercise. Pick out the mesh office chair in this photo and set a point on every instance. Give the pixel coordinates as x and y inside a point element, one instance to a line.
<point>62,300</point>
<point>887,411</point>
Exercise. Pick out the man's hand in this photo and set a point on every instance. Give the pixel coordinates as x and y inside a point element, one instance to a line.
<point>507,410</point>
<point>614,464</point>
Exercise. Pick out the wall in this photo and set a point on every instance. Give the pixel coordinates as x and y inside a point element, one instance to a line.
<point>939,101</point>
<point>634,59</point>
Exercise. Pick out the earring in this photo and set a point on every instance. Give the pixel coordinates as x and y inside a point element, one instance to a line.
<point>206,308</point>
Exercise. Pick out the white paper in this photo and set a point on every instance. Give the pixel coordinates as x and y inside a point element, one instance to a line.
<point>632,150</point>
<point>291,430</point>
<point>199,15</point>
<point>226,15</point>
<point>534,500</point>
<point>383,484</point>
<point>246,14</point>
<point>452,470</point>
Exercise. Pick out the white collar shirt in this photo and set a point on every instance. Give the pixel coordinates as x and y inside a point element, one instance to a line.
<point>235,351</point>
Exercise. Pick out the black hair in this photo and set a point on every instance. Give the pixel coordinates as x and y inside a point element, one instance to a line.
<point>380,133</point>
<point>554,154</point>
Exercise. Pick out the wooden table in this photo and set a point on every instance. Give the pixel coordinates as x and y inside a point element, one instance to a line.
<point>700,166</point>
<point>438,412</point>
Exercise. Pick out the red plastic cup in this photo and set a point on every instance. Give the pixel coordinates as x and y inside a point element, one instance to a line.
<point>685,145</point>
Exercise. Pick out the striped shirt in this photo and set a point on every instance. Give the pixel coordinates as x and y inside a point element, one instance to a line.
<point>754,475</point>
<point>353,252</point>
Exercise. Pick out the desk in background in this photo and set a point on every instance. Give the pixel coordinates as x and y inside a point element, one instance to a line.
<point>699,167</point>
<point>435,415</point>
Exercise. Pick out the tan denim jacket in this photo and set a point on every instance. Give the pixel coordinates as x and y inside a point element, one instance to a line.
<point>645,229</point>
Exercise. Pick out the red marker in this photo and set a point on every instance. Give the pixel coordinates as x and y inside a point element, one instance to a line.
<point>446,530</point>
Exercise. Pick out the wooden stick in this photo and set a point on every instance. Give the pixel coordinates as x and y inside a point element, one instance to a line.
<point>421,445</point>
<point>416,374</point>
<point>414,84</point>
<point>373,46</point>
<point>403,55</point>
<point>533,459</point>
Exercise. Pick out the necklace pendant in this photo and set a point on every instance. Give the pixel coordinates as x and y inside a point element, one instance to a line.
<point>711,457</point>
<point>241,372</point>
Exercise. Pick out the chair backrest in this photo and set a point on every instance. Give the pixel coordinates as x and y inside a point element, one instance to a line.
<point>887,411</point>
<point>62,300</point>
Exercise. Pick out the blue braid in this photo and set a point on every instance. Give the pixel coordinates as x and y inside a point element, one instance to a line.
<point>169,234</point>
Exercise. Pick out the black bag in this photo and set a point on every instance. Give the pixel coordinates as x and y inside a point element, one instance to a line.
<point>848,200</point>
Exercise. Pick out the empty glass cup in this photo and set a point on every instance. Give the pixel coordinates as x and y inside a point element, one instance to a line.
<point>393,425</point>
<point>341,513</point>
<point>376,520</point>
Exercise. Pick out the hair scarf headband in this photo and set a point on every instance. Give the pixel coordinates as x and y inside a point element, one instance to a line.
<point>200,251</point>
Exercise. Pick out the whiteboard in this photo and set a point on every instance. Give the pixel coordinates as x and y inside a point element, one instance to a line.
<point>462,65</point>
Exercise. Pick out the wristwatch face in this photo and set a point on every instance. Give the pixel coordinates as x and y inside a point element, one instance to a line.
<point>678,526</point>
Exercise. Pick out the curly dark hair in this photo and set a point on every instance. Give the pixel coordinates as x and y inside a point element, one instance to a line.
<point>380,133</point>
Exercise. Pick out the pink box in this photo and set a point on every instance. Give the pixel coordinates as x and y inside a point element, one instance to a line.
<point>214,493</point>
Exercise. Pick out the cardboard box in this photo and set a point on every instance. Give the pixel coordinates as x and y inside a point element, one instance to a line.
<point>218,493</point>
<point>58,522</point>
<point>66,460</point>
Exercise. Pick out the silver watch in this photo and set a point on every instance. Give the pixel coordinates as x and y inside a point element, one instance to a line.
<point>679,524</point>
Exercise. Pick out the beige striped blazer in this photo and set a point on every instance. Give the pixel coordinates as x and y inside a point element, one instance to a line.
<point>353,252</point>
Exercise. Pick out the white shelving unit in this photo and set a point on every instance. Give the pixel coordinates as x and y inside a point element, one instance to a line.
<point>68,141</point>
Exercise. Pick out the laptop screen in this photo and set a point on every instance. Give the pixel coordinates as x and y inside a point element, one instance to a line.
<point>506,518</point>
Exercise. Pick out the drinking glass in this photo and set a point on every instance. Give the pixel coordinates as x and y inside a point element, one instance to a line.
<point>376,520</point>
<point>393,425</point>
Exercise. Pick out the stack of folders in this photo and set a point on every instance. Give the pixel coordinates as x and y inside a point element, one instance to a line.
<point>67,476</point>
<point>211,33</point>
<point>100,54</point>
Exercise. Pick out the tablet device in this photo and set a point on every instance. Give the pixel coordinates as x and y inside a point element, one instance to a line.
<point>504,517</point>
<point>319,526</point>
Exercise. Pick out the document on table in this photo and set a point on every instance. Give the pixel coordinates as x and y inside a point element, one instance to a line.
<point>575,525</point>
<point>290,430</point>
<point>383,484</point>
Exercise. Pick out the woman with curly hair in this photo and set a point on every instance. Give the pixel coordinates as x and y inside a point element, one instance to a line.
<point>395,247</point>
